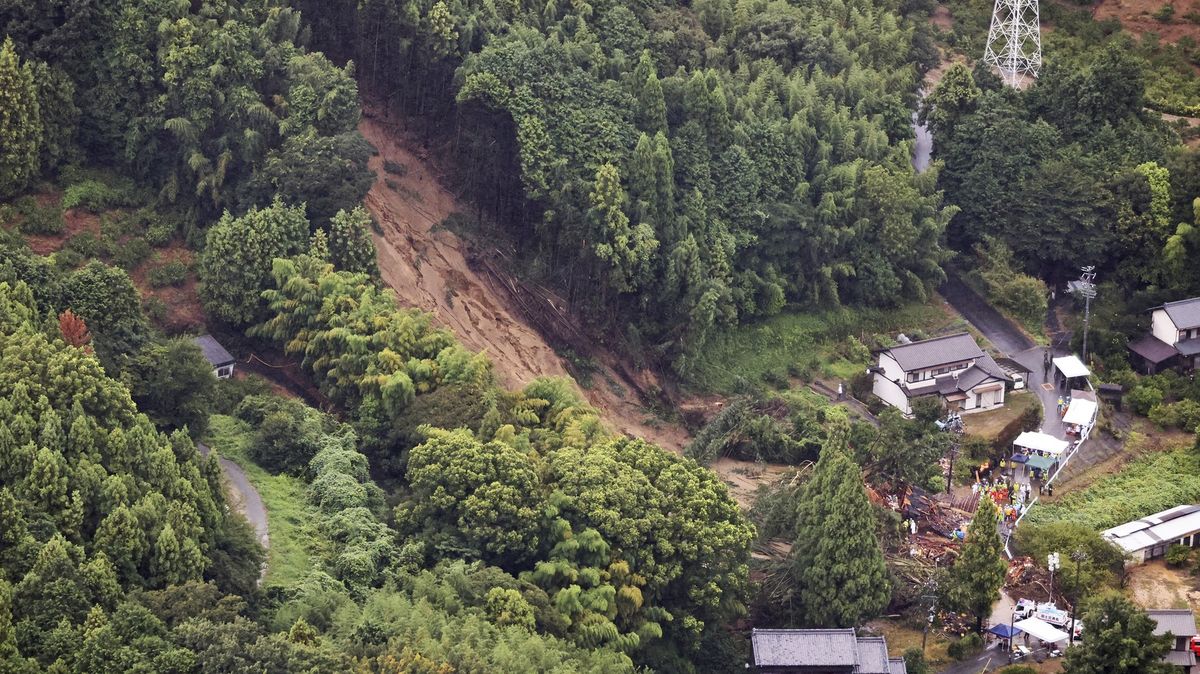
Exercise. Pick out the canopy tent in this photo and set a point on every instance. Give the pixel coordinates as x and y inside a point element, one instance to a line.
<point>1042,630</point>
<point>1081,412</point>
<point>1004,631</point>
<point>1041,462</point>
<point>1070,367</point>
<point>1036,440</point>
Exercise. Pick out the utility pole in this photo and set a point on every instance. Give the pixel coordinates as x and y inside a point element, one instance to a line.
<point>954,425</point>
<point>1014,44</point>
<point>1079,557</point>
<point>1086,287</point>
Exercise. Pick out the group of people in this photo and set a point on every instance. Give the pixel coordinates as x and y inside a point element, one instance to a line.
<point>1010,497</point>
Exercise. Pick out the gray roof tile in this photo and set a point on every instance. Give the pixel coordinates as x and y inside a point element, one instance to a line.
<point>1185,314</point>
<point>213,351</point>
<point>872,656</point>
<point>782,648</point>
<point>1152,348</point>
<point>938,351</point>
<point>897,666</point>
<point>1180,622</point>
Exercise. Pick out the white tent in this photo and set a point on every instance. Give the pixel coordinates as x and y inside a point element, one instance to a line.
<point>1041,442</point>
<point>1081,412</point>
<point>1042,630</point>
<point>1070,366</point>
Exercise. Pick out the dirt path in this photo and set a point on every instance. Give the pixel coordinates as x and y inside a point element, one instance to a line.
<point>428,269</point>
<point>244,499</point>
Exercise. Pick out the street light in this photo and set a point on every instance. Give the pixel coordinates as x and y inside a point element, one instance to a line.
<point>1053,565</point>
<point>1086,287</point>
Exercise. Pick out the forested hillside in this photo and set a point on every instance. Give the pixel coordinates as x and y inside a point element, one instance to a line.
<point>705,164</point>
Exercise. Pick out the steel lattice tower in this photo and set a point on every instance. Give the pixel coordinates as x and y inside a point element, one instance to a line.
<point>1014,44</point>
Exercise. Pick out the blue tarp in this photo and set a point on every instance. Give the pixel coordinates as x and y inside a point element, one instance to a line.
<point>1004,631</point>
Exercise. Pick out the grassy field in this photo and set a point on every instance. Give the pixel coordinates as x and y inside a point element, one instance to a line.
<point>1143,486</point>
<point>800,341</point>
<point>289,515</point>
<point>989,424</point>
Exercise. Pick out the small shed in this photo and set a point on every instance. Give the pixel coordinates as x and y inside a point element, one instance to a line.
<point>221,360</point>
<point>1080,415</point>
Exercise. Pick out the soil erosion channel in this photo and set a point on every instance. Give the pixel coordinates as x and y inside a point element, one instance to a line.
<point>427,268</point>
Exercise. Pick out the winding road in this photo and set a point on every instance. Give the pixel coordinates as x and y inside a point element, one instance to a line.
<point>244,498</point>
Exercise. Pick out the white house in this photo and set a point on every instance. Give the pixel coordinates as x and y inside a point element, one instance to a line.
<point>952,367</point>
<point>1174,337</point>
<point>216,355</point>
<point>1149,537</point>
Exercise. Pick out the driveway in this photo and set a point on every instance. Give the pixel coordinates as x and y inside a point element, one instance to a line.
<point>244,497</point>
<point>1000,331</point>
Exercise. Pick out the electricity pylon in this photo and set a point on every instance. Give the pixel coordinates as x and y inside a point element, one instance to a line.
<point>1014,44</point>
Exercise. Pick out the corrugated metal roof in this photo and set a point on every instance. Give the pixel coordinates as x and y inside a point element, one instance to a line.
<point>872,656</point>
<point>1180,658</point>
<point>213,351</point>
<point>938,351</point>
<point>781,648</point>
<point>1168,525</point>
<point>897,666</point>
<point>1185,314</point>
<point>1180,622</point>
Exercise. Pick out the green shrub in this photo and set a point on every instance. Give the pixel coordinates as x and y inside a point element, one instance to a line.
<point>1184,414</point>
<point>1143,398</point>
<point>231,392</point>
<point>1017,669</point>
<point>84,243</point>
<point>1178,555</point>
<point>154,308</point>
<point>160,233</point>
<point>96,196</point>
<point>914,660</point>
<point>45,220</point>
<point>965,647</point>
<point>1165,13</point>
<point>395,168</point>
<point>67,259</point>
<point>776,378</point>
<point>173,273</point>
<point>131,253</point>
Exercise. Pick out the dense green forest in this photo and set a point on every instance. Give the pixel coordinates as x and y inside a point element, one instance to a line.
<point>675,170</point>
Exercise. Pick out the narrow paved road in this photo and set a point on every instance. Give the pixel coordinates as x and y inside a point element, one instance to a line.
<point>244,496</point>
<point>999,330</point>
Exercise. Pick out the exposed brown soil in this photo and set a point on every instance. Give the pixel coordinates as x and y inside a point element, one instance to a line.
<point>745,477</point>
<point>75,220</point>
<point>1137,16</point>
<point>184,312</point>
<point>428,268</point>
<point>1155,585</point>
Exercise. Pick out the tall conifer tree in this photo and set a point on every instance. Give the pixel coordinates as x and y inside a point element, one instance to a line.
<point>837,560</point>
<point>20,123</point>
<point>976,577</point>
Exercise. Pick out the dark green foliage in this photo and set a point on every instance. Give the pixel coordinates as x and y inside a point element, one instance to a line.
<point>914,660</point>
<point>173,384</point>
<point>327,174</point>
<point>170,273</point>
<point>96,195</point>
<point>961,649</point>
<point>38,219</point>
<point>1178,555</point>
<point>235,266</point>
<point>286,433</point>
<point>1102,567</point>
<point>106,299</point>
<point>978,573</point>
<point>20,122</point>
<point>350,245</point>
<point>837,563</point>
<point>1120,640</point>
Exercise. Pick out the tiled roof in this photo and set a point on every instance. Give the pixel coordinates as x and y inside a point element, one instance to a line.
<point>213,351</point>
<point>1188,347</point>
<point>1185,314</point>
<point>1180,622</point>
<point>782,648</point>
<point>1152,349</point>
<point>872,656</point>
<point>938,351</point>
